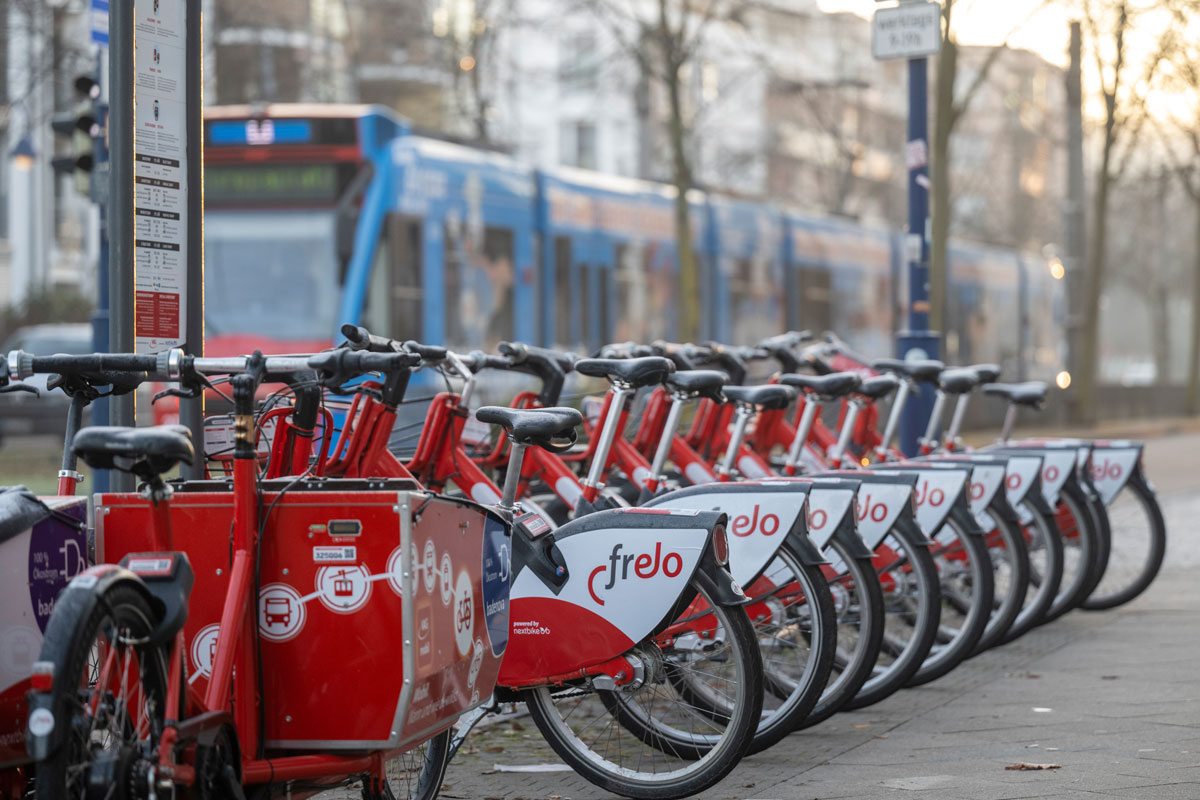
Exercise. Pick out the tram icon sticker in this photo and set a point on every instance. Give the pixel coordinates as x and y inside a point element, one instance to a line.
<point>343,590</point>
<point>429,565</point>
<point>395,570</point>
<point>446,574</point>
<point>464,613</point>
<point>281,612</point>
<point>204,649</point>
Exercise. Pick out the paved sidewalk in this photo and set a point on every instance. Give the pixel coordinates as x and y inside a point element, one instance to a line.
<point>1113,697</point>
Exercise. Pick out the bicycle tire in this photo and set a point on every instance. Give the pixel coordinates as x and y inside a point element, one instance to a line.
<point>1099,516</point>
<point>427,762</point>
<point>859,610</point>
<point>966,594</point>
<point>71,640</point>
<point>796,682</point>
<point>1044,543</point>
<point>1009,555</point>
<point>1138,492</point>
<point>1080,541</point>
<point>912,611</point>
<point>689,762</point>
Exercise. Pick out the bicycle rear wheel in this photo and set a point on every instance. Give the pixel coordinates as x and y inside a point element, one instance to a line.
<point>1081,545</point>
<point>965,569</point>
<point>859,611</point>
<point>1010,575</point>
<point>912,610</point>
<point>792,611</point>
<point>647,741</point>
<point>1045,547</point>
<point>1139,542</point>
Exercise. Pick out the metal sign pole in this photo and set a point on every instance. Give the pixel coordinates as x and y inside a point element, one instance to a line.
<point>191,412</point>
<point>156,204</point>
<point>120,209</point>
<point>917,341</point>
<point>912,30</point>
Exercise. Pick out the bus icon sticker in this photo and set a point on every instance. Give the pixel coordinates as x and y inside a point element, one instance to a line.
<point>281,614</point>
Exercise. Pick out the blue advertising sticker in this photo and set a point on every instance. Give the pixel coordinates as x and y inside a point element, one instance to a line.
<point>496,574</point>
<point>57,553</point>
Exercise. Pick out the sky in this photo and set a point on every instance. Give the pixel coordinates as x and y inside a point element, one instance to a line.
<point>1043,31</point>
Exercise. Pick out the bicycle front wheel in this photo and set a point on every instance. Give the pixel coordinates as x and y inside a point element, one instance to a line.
<point>109,691</point>
<point>1139,542</point>
<point>646,740</point>
<point>912,611</point>
<point>1009,555</point>
<point>415,774</point>
<point>965,568</point>
<point>1081,550</point>
<point>1045,547</point>
<point>792,611</point>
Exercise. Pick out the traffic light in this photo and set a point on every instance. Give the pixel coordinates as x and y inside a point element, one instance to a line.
<point>82,126</point>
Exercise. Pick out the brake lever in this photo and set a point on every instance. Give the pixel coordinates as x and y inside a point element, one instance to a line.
<point>19,387</point>
<point>189,393</point>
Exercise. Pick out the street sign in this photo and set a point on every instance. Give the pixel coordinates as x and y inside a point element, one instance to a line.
<point>98,22</point>
<point>910,30</point>
<point>163,196</point>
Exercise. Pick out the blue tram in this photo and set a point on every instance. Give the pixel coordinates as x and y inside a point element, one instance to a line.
<point>351,217</point>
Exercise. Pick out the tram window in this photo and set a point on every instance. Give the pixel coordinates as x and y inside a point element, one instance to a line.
<point>393,305</point>
<point>754,300</point>
<point>602,285</point>
<point>407,290</point>
<point>584,302</point>
<point>816,296</point>
<point>562,292</point>
<point>478,281</point>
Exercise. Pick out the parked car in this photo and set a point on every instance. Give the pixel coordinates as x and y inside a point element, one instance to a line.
<point>45,412</point>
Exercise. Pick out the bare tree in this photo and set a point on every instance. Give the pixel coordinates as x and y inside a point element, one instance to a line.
<point>664,38</point>
<point>1183,134</point>
<point>1108,25</point>
<point>950,106</point>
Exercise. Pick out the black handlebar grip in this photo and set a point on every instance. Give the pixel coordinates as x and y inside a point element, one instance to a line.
<point>362,339</point>
<point>428,352</point>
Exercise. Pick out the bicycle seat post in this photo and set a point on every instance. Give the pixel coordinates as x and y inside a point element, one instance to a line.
<point>608,434</point>
<point>950,440</point>
<point>812,407</point>
<point>893,420</point>
<point>1010,419</point>
<point>928,442</point>
<point>668,436</point>
<point>512,478</point>
<point>745,412</point>
<point>853,406</point>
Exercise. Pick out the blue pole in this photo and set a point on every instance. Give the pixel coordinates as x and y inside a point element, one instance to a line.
<point>100,477</point>
<point>916,341</point>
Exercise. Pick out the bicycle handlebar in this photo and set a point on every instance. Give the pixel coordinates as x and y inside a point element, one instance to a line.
<point>359,338</point>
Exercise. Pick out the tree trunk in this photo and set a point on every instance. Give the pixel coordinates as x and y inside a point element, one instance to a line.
<point>1193,367</point>
<point>939,175</point>
<point>1097,253</point>
<point>681,176</point>
<point>1160,297</point>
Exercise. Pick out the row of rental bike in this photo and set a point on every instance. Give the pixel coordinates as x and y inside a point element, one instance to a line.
<point>711,566</point>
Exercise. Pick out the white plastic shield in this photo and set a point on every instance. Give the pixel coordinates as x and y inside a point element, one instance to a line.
<point>758,523</point>
<point>936,490</point>
<point>879,504</point>
<point>1111,469</point>
<point>826,507</point>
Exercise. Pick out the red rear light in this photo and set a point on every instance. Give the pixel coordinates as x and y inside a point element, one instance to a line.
<point>42,676</point>
<point>720,545</point>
